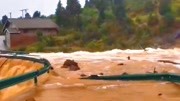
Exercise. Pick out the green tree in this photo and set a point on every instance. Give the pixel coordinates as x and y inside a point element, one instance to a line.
<point>43,16</point>
<point>165,6</point>
<point>27,15</point>
<point>119,10</point>
<point>4,19</point>
<point>36,14</point>
<point>101,5</point>
<point>169,19</point>
<point>149,6</point>
<point>73,10</point>
<point>152,20</point>
<point>60,11</point>
<point>166,12</point>
<point>5,22</point>
<point>91,3</point>
<point>178,12</point>
<point>73,7</point>
<point>87,4</point>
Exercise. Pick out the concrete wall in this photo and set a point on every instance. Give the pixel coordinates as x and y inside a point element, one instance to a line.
<point>7,37</point>
<point>2,46</point>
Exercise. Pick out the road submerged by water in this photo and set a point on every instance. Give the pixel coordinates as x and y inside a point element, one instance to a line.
<point>65,85</point>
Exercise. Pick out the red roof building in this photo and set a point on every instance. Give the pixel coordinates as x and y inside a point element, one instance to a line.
<point>23,32</point>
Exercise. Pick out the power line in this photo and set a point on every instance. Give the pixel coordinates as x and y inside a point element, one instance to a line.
<point>23,10</point>
<point>10,14</point>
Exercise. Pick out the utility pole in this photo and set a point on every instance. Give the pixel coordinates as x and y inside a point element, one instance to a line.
<point>10,13</point>
<point>22,13</point>
<point>23,10</point>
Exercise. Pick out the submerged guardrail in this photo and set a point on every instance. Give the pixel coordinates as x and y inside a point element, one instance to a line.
<point>5,83</point>
<point>139,77</point>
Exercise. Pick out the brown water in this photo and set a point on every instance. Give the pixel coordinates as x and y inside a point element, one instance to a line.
<point>65,85</point>
<point>15,67</point>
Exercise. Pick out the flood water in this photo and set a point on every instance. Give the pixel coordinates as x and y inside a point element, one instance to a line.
<point>64,85</point>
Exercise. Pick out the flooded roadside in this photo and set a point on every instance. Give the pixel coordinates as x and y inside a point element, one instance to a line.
<point>65,85</point>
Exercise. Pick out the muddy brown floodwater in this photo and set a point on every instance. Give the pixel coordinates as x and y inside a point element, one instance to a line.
<point>65,85</point>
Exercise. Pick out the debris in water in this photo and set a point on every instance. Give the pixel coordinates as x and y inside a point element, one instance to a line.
<point>83,75</point>
<point>160,94</point>
<point>71,64</point>
<point>154,71</point>
<point>129,58</point>
<point>93,76</point>
<point>31,99</point>
<point>121,64</point>
<point>101,73</point>
<point>124,73</point>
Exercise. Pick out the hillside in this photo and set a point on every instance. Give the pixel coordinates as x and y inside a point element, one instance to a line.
<point>103,25</point>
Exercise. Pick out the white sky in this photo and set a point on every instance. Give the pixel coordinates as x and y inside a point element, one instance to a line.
<point>46,7</point>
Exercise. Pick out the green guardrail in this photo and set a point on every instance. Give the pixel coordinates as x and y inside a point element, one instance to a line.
<point>5,83</point>
<point>135,77</point>
<point>12,52</point>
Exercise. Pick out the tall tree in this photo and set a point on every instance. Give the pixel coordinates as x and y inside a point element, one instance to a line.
<point>5,22</point>
<point>101,5</point>
<point>149,7</point>
<point>43,16</point>
<point>165,6</point>
<point>91,3</point>
<point>27,15</point>
<point>73,7</point>
<point>119,10</point>
<point>61,16</point>
<point>58,13</point>
<point>4,19</point>
<point>36,14</point>
<point>164,12</point>
<point>87,3</point>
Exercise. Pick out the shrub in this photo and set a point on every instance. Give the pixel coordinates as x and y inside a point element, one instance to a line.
<point>169,19</point>
<point>39,35</point>
<point>152,20</point>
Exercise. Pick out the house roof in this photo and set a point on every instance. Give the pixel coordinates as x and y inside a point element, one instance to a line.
<point>32,23</point>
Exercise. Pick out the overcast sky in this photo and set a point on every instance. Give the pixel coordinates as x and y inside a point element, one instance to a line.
<point>46,7</point>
